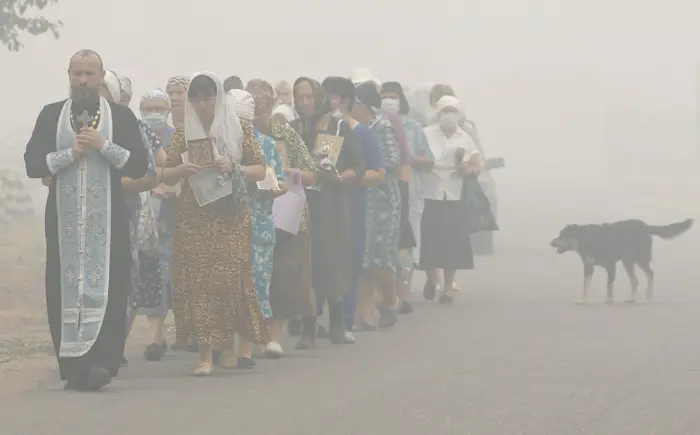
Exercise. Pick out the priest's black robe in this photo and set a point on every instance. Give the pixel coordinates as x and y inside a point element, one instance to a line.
<point>108,348</point>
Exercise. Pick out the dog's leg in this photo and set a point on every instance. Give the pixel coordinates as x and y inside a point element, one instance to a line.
<point>612,272</point>
<point>587,278</point>
<point>649,272</point>
<point>634,282</point>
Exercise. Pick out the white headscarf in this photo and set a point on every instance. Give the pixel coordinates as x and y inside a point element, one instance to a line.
<point>111,81</point>
<point>287,111</point>
<point>445,102</point>
<point>243,102</point>
<point>156,94</point>
<point>125,83</point>
<point>225,131</point>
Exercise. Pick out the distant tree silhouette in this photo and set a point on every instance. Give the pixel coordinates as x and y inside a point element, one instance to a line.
<point>14,21</point>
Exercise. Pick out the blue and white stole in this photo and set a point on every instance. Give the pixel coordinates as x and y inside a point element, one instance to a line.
<point>84,204</point>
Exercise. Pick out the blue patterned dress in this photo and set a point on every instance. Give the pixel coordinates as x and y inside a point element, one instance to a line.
<point>164,209</point>
<point>419,145</point>
<point>145,295</point>
<point>263,227</point>
<point>384,202</point>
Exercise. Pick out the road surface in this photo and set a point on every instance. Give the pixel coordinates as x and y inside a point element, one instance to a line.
<point>513,356</point>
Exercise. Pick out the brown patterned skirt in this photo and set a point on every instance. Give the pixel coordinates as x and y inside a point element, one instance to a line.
<point>291,294</point>
<point>213,291</point>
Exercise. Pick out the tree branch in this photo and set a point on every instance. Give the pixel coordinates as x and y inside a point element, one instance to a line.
<point>13,21</point>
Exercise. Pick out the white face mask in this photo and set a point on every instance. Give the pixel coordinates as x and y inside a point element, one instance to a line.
<point>449,120</point>
<point>392,106</point>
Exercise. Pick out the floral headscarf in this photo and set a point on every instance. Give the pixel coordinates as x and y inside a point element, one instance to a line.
<point>263,94</point>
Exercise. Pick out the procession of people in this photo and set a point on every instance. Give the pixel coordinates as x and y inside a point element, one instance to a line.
<point>245,207</point>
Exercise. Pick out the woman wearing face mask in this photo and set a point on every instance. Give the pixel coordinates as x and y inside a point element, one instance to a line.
<point>329,207</point>
<point>444,243</point>
<point>394,103</point>
<point>383,215</point>
<point>154,276</point>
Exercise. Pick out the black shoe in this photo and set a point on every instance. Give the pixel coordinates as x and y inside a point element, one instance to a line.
<point>429,291</point>
<point>294,327</point>
<point>154,352</point>
<point>245,363</point>
<point>406,308</point>
<point>387,318</point>
<point>94,379</point>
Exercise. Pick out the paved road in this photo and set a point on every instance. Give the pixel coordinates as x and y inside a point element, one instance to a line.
<point>513,356</point>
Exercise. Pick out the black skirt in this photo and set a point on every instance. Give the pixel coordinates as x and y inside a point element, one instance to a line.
<point>443,243</point>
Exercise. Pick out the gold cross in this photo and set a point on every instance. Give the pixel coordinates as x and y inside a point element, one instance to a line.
<point>85,119</point>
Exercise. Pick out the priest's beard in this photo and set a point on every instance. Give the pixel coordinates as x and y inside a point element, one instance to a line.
<point>84,98</point>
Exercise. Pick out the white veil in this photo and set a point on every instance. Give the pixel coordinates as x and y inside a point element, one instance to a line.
<point>226,131</point>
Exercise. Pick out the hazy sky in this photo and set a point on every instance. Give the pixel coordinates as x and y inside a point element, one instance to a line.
<point>536,75</point>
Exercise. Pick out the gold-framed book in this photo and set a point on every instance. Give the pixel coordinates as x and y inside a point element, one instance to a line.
<point>329,145</point>
<point>209,184</point>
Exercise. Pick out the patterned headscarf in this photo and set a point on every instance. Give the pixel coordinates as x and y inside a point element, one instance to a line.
<point>263,94</point>
<point>125,83</point>
<point>156,94</point>
<point>182,81</point>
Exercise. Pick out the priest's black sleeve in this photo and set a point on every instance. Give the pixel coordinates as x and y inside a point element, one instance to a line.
<point>41,148</point>
<point>127,136</point>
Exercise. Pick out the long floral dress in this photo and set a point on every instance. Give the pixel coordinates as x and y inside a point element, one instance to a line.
<point>213,287</point>
<point>147,292</point>
<point>384,202</point>
<point>263,246</point>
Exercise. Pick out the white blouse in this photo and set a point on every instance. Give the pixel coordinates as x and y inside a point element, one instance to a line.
<point>444,181</point>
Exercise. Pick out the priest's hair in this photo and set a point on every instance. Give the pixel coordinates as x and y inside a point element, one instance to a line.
<point>86,52</point>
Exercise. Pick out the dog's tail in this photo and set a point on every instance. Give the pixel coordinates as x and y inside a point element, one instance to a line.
<point>672,230</point>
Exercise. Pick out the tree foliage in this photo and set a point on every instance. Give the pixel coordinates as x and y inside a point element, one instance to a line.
<point>14,20</point>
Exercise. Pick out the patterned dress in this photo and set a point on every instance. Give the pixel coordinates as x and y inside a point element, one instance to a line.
<point>213,286</point>
<point>147,292</point>
<point>384,202</point>
<point>419,145</point>
<point>164,209</point>
<point>263,243</point>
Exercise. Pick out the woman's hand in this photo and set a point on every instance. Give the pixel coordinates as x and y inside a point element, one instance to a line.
<point>187,169</point>
<point>46,181</point>
<point>225,164</point>
<point>468,168</point>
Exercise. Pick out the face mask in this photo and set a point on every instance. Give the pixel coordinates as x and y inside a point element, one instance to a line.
<point>391,106</point>
<point>449,120</point>
<point>155,120</point>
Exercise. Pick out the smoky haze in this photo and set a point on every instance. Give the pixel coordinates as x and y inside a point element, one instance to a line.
<point>578,98</point>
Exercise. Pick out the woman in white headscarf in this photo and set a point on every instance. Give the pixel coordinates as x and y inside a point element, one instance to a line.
<point>445,239</point>
<point>213,283</point>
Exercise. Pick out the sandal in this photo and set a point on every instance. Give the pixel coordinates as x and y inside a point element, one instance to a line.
<point>203,369</point>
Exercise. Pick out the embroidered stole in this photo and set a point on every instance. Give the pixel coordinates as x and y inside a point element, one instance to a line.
<point>84,204</point>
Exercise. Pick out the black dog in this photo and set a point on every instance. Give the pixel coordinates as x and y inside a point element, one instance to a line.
<point>604,245</point>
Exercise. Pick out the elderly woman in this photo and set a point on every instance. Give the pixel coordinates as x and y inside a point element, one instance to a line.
<point>383,215</point>
<point>290,288</point>
<point>176,89</point>
<point>154,286</point>
<point>444,243</point>
<point>212,270</point>
<point>126,92</point>
<point>394,103</point>
<point>111,90</point>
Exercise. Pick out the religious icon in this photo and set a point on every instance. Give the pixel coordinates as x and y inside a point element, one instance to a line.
<point>326,152</point>
<point>201,152</point>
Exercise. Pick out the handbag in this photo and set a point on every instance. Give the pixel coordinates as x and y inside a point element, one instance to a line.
<point>476,207</point>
